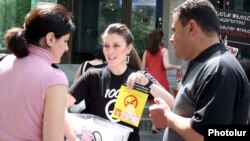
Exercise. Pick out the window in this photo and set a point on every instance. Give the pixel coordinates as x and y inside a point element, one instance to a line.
<point>143,21</point>
<point>91,19</point>
<point>93,16</point>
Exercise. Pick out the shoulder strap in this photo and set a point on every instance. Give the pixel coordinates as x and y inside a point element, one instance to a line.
<point>84,64</point>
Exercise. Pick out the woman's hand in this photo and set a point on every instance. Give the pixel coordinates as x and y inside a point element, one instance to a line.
<point>137,77</point>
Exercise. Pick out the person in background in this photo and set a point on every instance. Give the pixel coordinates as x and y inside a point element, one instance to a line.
<point>33,95</point>
<point>100,87</point>
<point>215,88</point>
<point>155,58</point>
<point>97,62</point>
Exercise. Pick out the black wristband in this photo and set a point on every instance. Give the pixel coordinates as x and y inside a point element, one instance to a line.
<point>148,84</point>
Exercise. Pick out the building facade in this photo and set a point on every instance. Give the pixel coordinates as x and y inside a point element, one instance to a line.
<point>92,17</point>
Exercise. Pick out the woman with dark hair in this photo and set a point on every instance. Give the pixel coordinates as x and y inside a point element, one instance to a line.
<point>156,59</point>
<point>33,96</point>
<point>97,62</point>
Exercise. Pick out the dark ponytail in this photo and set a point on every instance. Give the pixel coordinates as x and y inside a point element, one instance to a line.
<point>135,61</point>
<point>45,18</point>
<point>14,39</point>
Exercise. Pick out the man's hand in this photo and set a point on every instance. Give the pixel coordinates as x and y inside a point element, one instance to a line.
<point>158,113</point>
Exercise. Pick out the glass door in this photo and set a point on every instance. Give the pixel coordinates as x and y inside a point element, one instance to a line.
<point>91,19</point>
<point>93,16</point>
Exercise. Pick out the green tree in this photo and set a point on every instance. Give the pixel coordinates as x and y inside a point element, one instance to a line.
<point>23,7</point>
<point>141,27</point>
<point>13,12</point>
<point>12,15</point>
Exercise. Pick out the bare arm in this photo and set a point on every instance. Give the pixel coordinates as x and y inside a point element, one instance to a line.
<point>183,127</point>
<point>144,61</point>
<point>162,117</point>
<point>68,129</point>
<point>55,101</point>
<point>158,91</point>
<point>166,63</point>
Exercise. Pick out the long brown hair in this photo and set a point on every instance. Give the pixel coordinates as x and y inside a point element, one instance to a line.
<point>154,41</point>
<point>122,30</point>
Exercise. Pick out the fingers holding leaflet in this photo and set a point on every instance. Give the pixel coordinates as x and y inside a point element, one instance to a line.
<point>131,80</point>
<point>136,77</point>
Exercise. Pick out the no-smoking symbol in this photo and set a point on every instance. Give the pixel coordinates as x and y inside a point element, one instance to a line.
<point>130,100</point>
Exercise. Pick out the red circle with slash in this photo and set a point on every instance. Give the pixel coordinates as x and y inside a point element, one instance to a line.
<point>131,100</point>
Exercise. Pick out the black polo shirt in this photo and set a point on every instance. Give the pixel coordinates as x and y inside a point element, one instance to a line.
<point>215,91</point>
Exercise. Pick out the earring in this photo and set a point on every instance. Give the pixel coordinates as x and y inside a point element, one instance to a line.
<point>127,59</point>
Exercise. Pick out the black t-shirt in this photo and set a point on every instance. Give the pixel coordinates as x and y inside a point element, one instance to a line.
<point>100,89</point>
<point>86,66</point>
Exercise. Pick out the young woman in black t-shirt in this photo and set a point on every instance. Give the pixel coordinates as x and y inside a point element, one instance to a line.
<point>100,87</point>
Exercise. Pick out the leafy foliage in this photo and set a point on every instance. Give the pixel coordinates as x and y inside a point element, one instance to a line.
<point>12,14</point>
<point>142,24</point>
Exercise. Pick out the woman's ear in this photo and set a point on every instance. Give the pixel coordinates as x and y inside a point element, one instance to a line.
<point>50,39</point>
<point>129,48</point>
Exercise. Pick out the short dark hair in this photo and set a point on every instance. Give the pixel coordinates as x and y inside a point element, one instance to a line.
<point>202,11</point>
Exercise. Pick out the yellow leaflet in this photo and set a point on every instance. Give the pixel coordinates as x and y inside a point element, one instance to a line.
<point>129,105</point>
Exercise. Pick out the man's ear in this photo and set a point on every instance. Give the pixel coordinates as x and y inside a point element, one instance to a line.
<point>192,25</point>
<point>193,28</point>
<point>50,39</point>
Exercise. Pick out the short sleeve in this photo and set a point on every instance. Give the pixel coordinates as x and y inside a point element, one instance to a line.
<point>55,77</point>
<point>215,99</point>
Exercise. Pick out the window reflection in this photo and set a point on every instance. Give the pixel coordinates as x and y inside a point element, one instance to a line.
<point>109,12</point>
<point>143,21</point>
